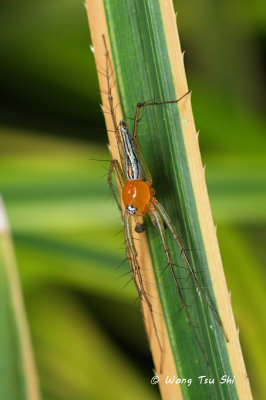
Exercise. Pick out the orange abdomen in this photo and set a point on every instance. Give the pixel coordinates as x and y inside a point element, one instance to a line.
<point>136,193</point>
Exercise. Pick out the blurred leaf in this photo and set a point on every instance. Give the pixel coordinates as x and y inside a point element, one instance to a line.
<point>246,283</point>
<point>76,359</point>
<point>17,370</point>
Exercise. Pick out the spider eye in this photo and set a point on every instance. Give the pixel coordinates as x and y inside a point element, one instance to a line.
<point>131,209</point>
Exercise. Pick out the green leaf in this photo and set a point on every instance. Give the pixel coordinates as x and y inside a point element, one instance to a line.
<point>143,72</point>
<point>77,359</point>
<point>17,370</point>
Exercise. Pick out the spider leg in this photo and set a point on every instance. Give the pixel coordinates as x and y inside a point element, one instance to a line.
<point>160,209</point>
<point>135,268</point>
<point>145,168</point>
<point>158,221</point>
<point>111,109</point>
<point>154,103</point>
<point>115,166</point>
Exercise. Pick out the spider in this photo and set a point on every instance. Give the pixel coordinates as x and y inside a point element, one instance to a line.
<point>138,197</point>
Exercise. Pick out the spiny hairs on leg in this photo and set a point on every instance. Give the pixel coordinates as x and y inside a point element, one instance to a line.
<point>157,219</point>
<point>132,256</point>
<point>109,74</point>
<point>162,212</point>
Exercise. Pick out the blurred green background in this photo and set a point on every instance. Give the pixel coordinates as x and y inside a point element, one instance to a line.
<point>66,226</point>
